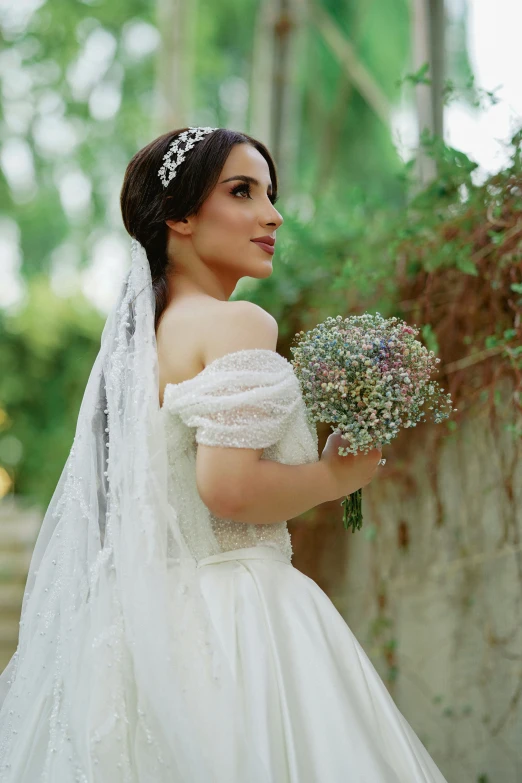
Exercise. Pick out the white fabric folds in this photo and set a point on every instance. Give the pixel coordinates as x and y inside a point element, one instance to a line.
<point>119,673</point>
<point>245,399</point>
<point>313,702</point>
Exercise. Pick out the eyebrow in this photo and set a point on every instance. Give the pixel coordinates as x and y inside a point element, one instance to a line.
<point>245,178</point>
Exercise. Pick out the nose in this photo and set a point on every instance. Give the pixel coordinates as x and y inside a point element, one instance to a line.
<point>275,219</point>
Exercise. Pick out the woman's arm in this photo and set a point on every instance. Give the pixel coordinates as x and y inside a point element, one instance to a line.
<point>272,492</point>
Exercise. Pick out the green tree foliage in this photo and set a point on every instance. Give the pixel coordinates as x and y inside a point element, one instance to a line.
<point>46,354</point>
<point>341,220</point>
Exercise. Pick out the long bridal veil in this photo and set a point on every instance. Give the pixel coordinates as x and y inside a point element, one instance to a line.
<point>119,674</point>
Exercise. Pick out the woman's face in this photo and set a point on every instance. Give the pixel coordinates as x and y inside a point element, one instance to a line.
<point>235,213</point>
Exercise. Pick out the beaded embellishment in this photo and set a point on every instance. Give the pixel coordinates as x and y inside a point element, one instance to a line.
<point>179,147</point>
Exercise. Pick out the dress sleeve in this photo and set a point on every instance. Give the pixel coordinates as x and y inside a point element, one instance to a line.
<point>245,399</point>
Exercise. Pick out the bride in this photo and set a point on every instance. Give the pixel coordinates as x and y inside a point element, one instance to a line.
<point>165,636</point>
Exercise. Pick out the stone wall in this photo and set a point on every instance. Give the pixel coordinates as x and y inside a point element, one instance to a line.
<point>432,588</point>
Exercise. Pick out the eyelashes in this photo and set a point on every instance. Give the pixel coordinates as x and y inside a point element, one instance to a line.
<point>245,188</point>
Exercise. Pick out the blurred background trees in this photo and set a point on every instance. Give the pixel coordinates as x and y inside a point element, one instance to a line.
<point>86,84</point>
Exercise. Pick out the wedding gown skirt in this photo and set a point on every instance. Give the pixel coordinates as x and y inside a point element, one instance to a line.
<point>313,703</point>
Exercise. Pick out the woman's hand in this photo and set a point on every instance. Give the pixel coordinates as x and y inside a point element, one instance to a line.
<point>347,474</point>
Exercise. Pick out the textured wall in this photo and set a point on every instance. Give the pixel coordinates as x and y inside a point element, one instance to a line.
<point>432,588</point>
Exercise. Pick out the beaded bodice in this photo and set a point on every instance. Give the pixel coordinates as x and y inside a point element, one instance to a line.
<point>246,399</point>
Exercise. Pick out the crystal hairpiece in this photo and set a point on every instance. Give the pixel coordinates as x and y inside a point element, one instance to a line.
<point>189,139</point>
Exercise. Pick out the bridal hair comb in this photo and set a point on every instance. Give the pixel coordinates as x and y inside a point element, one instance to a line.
<point>188,139</point>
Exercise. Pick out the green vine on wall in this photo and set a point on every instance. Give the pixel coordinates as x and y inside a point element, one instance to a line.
<point>458,262</point>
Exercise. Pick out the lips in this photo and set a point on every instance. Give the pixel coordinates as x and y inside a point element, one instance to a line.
<point>268,248</point>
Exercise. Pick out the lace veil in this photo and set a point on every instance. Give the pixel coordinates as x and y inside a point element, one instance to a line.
<point>119,674</point>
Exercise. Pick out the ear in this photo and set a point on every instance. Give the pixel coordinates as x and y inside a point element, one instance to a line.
<point>184,226</point>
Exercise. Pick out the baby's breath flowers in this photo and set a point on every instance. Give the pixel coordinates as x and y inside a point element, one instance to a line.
<point>369,377</point>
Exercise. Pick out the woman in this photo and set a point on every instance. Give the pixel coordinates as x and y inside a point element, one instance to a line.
<point>165,634</point>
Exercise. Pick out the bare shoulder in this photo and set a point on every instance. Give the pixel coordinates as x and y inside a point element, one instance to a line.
<point>195,332</point>
<point>234,326</point>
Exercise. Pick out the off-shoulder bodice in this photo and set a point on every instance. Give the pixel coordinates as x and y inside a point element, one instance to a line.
<point>246,399</point>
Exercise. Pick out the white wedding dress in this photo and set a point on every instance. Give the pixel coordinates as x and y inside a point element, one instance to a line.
<point>313,706</point>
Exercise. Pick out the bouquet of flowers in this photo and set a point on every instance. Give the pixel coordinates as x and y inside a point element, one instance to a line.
<point>368,376</point>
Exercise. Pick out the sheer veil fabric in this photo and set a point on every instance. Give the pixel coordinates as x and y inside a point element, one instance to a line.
<point>105,683</point>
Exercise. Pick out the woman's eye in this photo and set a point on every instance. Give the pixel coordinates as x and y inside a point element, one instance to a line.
<point>242,189</point>
<point>246,189</point>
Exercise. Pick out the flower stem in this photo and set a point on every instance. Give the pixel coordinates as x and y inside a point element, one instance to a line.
<point>352,516</point>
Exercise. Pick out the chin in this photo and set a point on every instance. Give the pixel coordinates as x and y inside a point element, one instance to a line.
<point>257,268</point>
<point>265,269</point>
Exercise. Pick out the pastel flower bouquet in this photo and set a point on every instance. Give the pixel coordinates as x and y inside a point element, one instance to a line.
<point>369,377</point>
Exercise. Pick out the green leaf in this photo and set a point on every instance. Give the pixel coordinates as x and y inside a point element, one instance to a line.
<point>497,237</point>
<point>466,265</point>
<point>418,77</point>
<point>430,338</point>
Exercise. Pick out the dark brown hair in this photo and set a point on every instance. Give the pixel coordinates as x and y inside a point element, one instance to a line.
<point>146,204</point>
